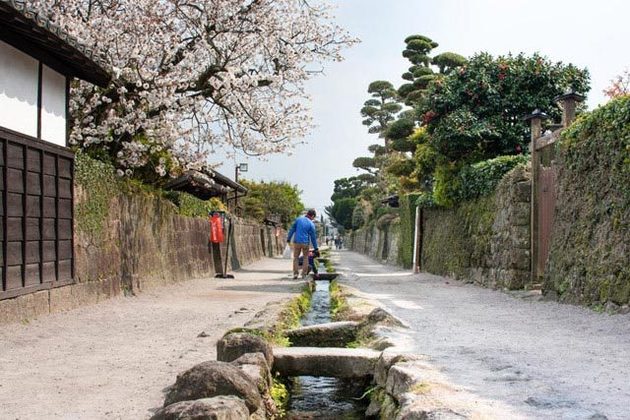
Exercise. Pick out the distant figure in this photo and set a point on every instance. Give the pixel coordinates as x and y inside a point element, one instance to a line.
<point>337,242</point>
<point>303,234</point>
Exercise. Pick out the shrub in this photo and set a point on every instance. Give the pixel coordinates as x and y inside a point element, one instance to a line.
<point>482,178</point>
<point>191,206</point>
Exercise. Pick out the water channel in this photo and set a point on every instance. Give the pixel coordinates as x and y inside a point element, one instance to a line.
<point>321,397</point>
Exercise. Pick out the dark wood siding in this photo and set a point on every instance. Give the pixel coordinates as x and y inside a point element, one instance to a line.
<point>36,207</point>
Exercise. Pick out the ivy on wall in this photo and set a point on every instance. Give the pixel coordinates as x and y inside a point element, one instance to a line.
<point>458,239</point>
<point>588,261</point>
<point>100,184</point>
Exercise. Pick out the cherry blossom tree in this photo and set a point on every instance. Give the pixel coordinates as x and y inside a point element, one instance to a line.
<point>190,76</point>
<point>619,86</point>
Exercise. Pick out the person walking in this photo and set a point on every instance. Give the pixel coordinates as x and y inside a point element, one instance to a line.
<point>303,234</point>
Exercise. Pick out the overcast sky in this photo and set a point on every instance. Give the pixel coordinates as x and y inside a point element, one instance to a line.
<point>587,33</point>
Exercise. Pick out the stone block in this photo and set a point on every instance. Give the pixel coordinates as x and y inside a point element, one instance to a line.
<point>517,279</point>
<point>325,361</point>
<point>386,361</point>
<point>521,215</point>
<point>108,288</point>
<point>85,293</point>
<point>216,408</point>
<point>401,378</point>
<point>523,192</point>
<point>332,334</point>
<point>9,311</point>
<point>255,366</point>
<point>62,299</point>
<point>234,345</point>
<point>33,305</point>
<point>213,379</point>
<point>519,260</point>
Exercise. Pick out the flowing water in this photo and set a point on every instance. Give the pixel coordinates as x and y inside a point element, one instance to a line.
<point>321,397</point>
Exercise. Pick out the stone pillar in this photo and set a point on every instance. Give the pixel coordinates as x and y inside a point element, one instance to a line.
<point>568,102</point>
<point>535,119</point>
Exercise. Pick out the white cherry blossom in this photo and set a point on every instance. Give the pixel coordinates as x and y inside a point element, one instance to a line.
<point>193,75</point>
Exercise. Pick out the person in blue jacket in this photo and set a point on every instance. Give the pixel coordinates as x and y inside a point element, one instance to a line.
<point>303,234</point>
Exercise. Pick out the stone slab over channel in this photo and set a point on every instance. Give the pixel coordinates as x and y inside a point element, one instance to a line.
<point>325,361</point>
<point>331,334</point>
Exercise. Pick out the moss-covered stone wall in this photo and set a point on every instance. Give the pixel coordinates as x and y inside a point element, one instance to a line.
<point>484,240</point>
<point>589,261</point>
<point>379,240</point>
<point>144,242</point>
<point>129,238</point>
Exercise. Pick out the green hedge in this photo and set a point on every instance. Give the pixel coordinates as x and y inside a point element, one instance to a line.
<point>481,178</point>
<point>454,185</point>
<point>191,206</point>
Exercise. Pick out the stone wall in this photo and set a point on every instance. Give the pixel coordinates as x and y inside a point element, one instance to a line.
<point>589,259</point>
<point>484,240</point>
<point>378,240</point>
<point>143,243</point>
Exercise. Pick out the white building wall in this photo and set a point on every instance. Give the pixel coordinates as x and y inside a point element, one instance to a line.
<point>53,106</point>
<point>19,74</point>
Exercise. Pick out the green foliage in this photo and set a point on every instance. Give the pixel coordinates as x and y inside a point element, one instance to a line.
<point>476,113</point>
<point>338,302</point>
<point>381,108</point>
<point>191,206</point>
<point>366,163</point>
<point>272,199</point>
<point>463,136</point>
<point>400,166</point>
<point>99,182</point>
<point>400,129</point>
<point>482,178</point>
<point>447,184</point>
<point>417,50</point>
<point>407,228</point>
<point>360,214</point>
<point>350,187</point>
<point>377,149</point>
<point>588,260</point>
<point>448,61</point>
<point>280,396</point>
<point>455,184</point>
<point>425,200</point>
<point>341,211</point>
<point>465,231</point>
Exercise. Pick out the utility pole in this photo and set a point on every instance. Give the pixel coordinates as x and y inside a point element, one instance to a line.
<point>241,167</point>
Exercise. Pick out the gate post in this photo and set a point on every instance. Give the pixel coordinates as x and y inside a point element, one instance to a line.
<point>568,102</point>
<point>535,119</point>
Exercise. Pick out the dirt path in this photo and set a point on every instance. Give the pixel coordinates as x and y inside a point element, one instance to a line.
<point>113,360</point>
<point>537,359</point>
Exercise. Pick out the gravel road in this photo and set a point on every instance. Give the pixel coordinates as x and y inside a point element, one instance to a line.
<point>113,360</point>
<point>540,359</point>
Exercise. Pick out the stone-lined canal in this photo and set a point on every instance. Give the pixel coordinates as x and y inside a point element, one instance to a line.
<point>322,397</point>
